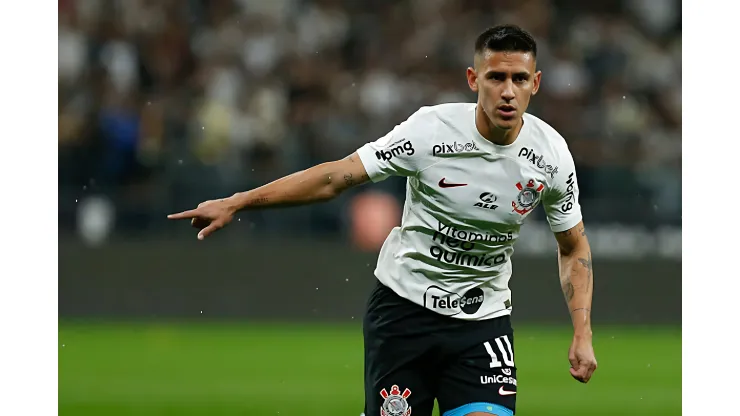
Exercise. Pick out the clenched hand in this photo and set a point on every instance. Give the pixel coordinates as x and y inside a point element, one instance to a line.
<point>582,359</point>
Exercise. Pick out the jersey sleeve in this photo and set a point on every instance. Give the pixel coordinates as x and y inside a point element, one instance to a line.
<point>561,201</point>
<point>398,153</point>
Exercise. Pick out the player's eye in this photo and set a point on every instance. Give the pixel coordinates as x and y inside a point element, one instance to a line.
<point>497,76</point>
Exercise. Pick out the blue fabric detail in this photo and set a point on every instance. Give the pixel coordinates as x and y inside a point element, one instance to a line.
<point>494,409</point>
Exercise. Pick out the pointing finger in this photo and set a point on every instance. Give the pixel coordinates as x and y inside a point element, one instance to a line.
<point>183,215</point>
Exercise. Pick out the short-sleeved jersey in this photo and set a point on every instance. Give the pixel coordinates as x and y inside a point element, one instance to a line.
<point>466,199</point>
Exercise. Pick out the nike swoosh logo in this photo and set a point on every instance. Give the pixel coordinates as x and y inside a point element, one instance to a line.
<point>503,392</point>
<point>443,184</point>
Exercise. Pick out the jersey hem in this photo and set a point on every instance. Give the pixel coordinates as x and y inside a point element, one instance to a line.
<point>494,315</point>
<point>460,316</point>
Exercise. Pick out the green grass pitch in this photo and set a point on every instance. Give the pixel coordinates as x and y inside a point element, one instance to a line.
<point>274,369</point>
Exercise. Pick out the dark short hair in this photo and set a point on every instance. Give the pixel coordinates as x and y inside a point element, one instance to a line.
<point>506,38</point>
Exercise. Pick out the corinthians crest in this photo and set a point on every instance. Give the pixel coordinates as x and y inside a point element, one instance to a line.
<point>528,197</point>
<point>395,403</point>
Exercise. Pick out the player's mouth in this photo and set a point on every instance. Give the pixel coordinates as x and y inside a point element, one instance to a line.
<point>506,110</point>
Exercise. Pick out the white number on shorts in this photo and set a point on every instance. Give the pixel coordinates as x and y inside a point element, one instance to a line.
<point>507,354</point>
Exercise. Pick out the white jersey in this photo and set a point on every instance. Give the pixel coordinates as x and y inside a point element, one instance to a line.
<point>466,199</point>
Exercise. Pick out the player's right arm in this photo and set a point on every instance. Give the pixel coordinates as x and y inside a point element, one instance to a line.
<point>395,154</point>
<point>316,184</point>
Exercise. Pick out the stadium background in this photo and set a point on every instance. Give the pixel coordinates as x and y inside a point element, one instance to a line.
<point>163,104</point>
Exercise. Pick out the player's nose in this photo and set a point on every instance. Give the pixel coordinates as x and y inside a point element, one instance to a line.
<point>508,92</point>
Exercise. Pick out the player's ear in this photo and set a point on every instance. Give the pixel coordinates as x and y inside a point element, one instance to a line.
<point>472,79</point>
<point>537,79</point>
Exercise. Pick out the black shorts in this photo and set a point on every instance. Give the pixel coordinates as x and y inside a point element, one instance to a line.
<point>414,356</point>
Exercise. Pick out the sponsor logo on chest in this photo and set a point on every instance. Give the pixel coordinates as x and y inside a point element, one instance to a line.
<point>539,161</point>
<point>454,148</point>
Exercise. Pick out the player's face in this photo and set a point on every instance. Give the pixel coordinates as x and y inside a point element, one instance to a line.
<point>505,82</point>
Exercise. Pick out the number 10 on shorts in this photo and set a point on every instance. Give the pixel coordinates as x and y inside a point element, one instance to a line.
<point>504,346</point>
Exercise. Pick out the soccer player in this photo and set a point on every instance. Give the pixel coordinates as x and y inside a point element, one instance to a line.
<point>437,324</point>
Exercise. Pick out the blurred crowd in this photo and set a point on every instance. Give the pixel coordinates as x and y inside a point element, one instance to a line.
<point>165,103</point>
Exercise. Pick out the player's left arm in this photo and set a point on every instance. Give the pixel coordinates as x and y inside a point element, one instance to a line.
<point>576,276</point>
<point>575,264</point>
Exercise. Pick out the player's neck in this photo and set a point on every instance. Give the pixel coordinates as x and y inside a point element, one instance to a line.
<point>494,134</point>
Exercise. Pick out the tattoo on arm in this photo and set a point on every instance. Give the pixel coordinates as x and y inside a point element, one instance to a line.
<point>259,201</point>
<point>568,289</point>
<point>575,256</point>
<point>588,264</point>
<point>348,178</point>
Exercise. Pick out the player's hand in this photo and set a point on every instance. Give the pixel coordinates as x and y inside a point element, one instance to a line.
<point>582,358</point>
<point>209,216</point>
